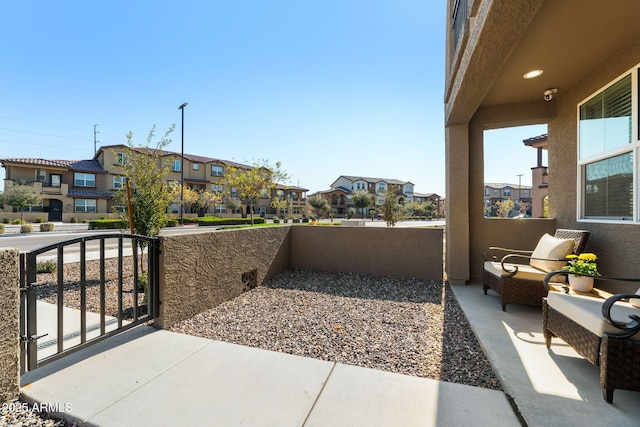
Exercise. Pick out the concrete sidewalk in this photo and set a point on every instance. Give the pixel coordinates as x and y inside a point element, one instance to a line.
<point>149,377</point>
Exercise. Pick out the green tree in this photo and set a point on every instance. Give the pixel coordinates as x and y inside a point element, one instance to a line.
<point>393,210</point>
<point>208,199</point>
<point>255,182</point>
<point>280,204</point>
<point>319,204</point>
<point>21,196</point>
<point>362,200</point>
<point>232,204</point>
<point>504,208</point>
<point>148,198</point>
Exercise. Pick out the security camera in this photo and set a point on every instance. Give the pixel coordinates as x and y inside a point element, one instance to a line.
<point>548,94</point>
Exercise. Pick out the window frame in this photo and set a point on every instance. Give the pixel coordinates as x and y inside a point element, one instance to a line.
<point>75,205</point>
<point>219,170</point>
<point>85,175</point>
<point>632,148</point>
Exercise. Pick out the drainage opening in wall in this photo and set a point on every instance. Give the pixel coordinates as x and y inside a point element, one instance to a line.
<point>249,280</point>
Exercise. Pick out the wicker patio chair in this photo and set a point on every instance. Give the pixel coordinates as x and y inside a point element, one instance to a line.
<point>517,275</point>
<point>604,332</point>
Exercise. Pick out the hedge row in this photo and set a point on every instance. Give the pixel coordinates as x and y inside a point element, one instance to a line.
<point>212,220</point>
<point>101,224</point>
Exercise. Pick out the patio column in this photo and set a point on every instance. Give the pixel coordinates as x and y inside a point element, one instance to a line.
<point>457,206</point>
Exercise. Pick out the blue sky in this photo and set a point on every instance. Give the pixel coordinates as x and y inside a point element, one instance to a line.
<point>328,88</point>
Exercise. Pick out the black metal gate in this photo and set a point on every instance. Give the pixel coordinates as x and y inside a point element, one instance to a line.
<point>57,317</point>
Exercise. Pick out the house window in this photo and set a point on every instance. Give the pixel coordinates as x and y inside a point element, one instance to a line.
<point>175,165</point>
<point>486,191</point>
<point>119,182</point>
<point>216,170</point>
<point>85,205</point>
<point>196,167</point>
<point>174,208</point>
<point>607,152</point>
<point>220,209</point>
<point>217,188</point>
<point>507,191</point>
<point>381,188</point>
<point>41,175</point>
<point>234,192</point>
<point>121,159</point>
<point>84,179</point>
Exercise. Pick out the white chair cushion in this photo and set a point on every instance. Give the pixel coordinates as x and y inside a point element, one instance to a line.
<point>525,272</point>
<point>550,247</point>
<point>587,312</point>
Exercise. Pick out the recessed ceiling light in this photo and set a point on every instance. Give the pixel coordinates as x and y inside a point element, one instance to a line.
<point>533,74</point>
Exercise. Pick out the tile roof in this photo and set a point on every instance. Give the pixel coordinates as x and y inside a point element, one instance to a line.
<point>87,194</point>
<point>74,165</point>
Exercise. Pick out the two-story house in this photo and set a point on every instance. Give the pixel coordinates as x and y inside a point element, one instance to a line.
<point>500,192</point>
<point>84,189</point>
<point>342,189</point>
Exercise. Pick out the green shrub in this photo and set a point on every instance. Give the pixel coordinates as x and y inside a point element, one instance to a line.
<point>6,220</point>
<point>212,220</point>
<point>1,228</point>
<point>172,222</point>
<point>276,220</point>
<point>46,267</point>
<point>46,226</point>
<point>74,220</point>
<point>102,224</point>
<point>26,228</point>
<point>16,222</point>
<point>38,220</point>
<point>189,220</point>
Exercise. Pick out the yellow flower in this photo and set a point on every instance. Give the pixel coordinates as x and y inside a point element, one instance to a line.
<point>571,256</point>
<point>589,257</point>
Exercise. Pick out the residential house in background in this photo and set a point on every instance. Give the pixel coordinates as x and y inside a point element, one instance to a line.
<point>500,192</point>
<point>574,66</point>
<point>340,194</point>
<point>84,189</point>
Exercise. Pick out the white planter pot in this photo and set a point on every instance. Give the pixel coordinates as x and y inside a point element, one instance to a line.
<point>581,283</point>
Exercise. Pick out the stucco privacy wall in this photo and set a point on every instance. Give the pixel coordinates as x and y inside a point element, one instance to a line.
<point>9,324</point>
<point>200,271</point>
<point>400,252</point>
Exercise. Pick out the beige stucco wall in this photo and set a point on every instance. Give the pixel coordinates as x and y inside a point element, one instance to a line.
<point>615,244</point>
<point>401,252</point>
<point>200,271</point>
<point>9,324</point>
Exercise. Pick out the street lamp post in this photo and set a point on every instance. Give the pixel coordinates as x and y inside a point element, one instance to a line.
<point>519,192</point>
<point>181,108</point>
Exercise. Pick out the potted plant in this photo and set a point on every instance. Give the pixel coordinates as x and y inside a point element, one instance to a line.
<point>583,268</point>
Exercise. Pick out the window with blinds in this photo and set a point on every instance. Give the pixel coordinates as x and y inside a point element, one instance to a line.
<point>606,152</point>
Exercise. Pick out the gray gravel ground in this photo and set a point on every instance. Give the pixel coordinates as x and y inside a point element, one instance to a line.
<point>408,326</point>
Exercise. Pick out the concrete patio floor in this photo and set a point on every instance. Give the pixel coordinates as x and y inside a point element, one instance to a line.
<point>550,387</point>
<point>152,377</point>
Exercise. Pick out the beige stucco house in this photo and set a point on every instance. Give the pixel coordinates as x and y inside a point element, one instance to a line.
<point>586,55</point>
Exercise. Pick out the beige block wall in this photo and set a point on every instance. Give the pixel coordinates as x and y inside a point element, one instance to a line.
<point>400,252</point>
<point>9,324</point>
<point>200,271</point>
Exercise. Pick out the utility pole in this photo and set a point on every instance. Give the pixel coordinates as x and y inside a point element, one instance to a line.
<point>519,192</point>
<point>95,140</point>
